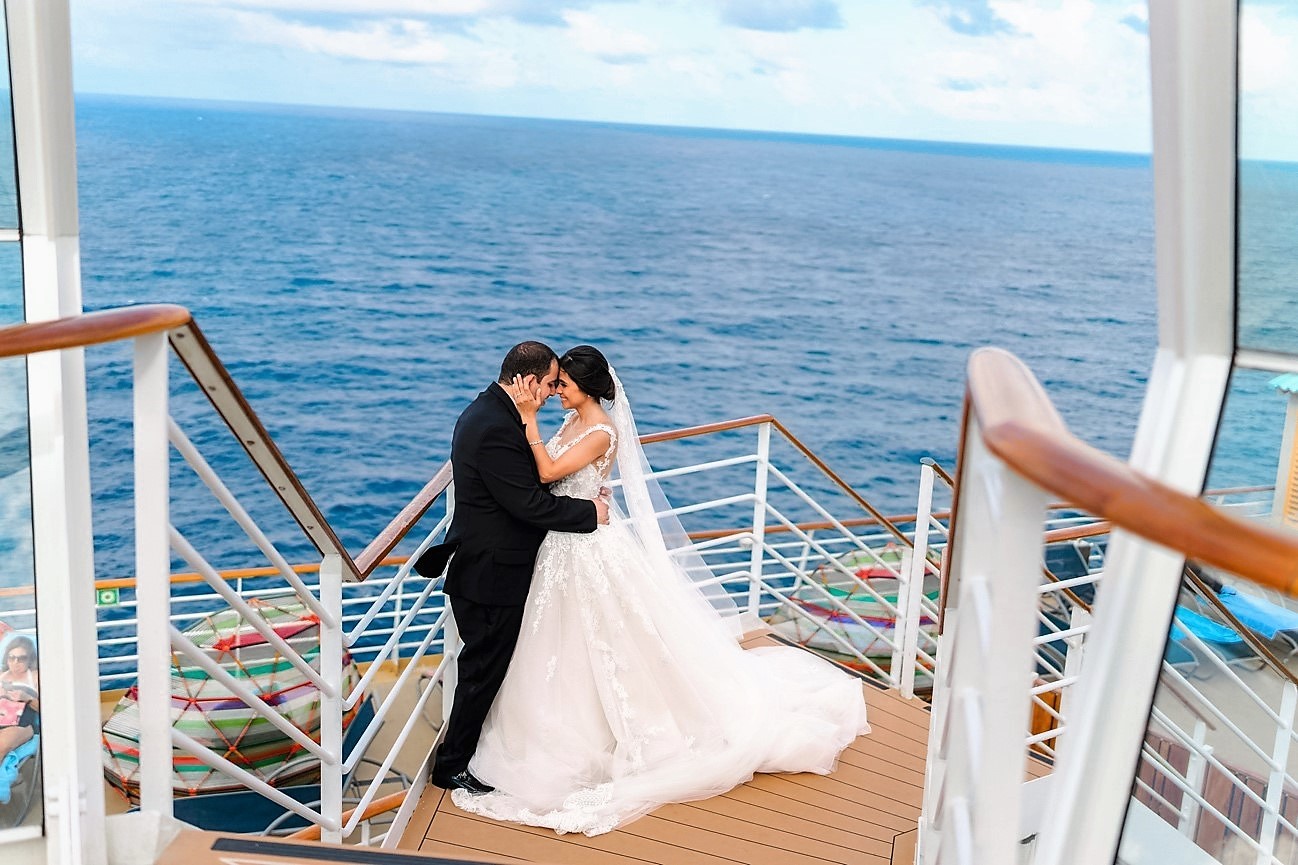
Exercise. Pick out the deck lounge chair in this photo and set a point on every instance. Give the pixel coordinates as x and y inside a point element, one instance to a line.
<point>1269,620</point>
<point>1224,641</point>
<point>20,782</point>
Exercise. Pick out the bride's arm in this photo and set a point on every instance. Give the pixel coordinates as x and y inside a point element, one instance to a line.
<point>583,453</point>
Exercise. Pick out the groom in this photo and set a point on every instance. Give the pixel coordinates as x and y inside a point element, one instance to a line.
<point>502,513</point>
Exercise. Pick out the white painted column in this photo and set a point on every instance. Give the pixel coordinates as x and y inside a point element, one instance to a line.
<point>40,63</point>
<point>759,518</point>
<point>331,705</point>
<point>910,610</point>
<point>153,571</point>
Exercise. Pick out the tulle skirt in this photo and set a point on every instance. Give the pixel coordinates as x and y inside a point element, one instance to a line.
<point>627,691</point>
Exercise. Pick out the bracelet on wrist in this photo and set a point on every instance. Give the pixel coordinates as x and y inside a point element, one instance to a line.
<point>535,443</point>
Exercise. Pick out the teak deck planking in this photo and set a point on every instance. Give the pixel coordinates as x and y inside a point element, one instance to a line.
<point>865,813</point>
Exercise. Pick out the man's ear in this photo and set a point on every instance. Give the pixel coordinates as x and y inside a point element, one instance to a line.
<point>529,383</point>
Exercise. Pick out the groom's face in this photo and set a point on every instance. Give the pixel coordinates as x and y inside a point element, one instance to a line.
<point>549,382</point>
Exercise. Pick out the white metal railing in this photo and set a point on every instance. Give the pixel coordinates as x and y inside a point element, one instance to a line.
<point>793,552</point>
<point>1217,765</point>
<point>986,666</point>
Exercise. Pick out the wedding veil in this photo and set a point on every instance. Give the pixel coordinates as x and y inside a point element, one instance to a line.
<point>650,516</point>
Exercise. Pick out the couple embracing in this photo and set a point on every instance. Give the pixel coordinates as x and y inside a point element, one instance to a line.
<point>597,681</point>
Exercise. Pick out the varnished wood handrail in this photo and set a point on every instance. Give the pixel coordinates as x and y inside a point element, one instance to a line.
<point>1022,428</point>
<point>381,805</point>
<point>1077,533</point>
<point>91,328</point>
<point>374,554</point>
<point>216,383</point>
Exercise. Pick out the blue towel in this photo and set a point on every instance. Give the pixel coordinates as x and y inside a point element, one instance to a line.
<point>1203,628</point>
<point>1259,614</point>
<point>9,765</point>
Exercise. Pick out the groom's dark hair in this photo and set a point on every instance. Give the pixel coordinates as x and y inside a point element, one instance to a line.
<point>527,358</point>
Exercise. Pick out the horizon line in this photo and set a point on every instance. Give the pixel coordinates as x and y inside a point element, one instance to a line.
<point>942,142</point>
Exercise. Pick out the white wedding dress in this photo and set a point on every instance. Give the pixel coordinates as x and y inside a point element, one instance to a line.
<point>626,691</point>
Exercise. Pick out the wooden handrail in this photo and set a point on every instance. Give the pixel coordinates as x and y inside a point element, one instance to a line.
<point>374,554</point>
<point>383,804</point>
<point>707,428</point>
<point>1022,428</point>
<point>91,328</point>
<point>216,383</point>
<point>1076,533</point>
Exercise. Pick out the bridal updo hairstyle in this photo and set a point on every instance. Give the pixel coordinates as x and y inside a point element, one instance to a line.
<point>588,370</point>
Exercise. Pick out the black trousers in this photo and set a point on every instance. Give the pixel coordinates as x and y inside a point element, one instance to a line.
<point>490,633</point>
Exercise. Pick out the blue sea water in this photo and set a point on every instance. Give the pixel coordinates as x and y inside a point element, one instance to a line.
<point>361,273</point>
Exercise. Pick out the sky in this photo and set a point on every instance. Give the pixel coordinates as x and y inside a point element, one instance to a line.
<point>1046,73</point>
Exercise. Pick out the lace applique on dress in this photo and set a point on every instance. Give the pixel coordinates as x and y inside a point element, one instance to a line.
<point>584,483</point>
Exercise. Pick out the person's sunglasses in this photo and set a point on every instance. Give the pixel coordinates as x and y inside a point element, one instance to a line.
<point>20,657</point>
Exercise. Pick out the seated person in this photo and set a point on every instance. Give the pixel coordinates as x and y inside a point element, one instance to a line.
<point>19,695</point>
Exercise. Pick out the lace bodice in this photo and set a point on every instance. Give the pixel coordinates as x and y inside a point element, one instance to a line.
<point>586,481</point>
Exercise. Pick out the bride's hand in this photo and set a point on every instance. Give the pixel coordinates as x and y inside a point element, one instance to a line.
<point>527,395</point>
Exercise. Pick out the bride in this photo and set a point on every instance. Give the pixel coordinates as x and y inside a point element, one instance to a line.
<point>628,689</point>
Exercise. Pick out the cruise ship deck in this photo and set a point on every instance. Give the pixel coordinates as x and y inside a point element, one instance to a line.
<point>866,812</point>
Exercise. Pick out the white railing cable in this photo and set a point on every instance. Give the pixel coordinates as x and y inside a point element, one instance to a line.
<point>388,648</point>
<point>183,645</point>
<point>250,781</point>
<point>412,720</point>
<point>249,614</point>
<point>384,596</point>
<point>236,510</point>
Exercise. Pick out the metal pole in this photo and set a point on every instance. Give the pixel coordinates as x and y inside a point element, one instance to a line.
<point>153,571</point>
<point>759,519</point>
<point>331,705</point>
<point>909,609</point>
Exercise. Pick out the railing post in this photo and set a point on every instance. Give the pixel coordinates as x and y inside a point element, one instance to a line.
<point>905,653</point>
<point>1196,773</point>
<point>331,705</point>
<point>1073,661</point>
<point>153,571</point>
<point>450,634</point>
<point>977,757</point>
<point>759,518</point>
<point>1279,768</point>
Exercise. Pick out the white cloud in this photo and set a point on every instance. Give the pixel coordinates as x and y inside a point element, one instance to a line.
<point>594,36</point>
<point>392,41</point>
<point>1266,41</point>
<point>1072,63</point>
<point>1268,106</point>
<point>430,8</point>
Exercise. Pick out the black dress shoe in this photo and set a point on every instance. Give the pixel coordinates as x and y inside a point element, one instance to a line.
<point>462,781</point>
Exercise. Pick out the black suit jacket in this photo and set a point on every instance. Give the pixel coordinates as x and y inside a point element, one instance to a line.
<point>502,511</point>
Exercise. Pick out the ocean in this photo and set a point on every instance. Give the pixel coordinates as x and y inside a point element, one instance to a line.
<point>361,274</point>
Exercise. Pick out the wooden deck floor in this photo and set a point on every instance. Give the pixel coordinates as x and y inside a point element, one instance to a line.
<point>865,812</point>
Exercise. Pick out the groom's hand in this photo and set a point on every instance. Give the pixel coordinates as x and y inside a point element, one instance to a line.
<point>601,511</point>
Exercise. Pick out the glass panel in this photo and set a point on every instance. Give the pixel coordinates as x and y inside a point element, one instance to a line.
<point>1248,457</point>
<point>20,761</point>
<point>1268,183</point>
<point>8,175</point>
<point>20,776</point>
<point>1219,761</point>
